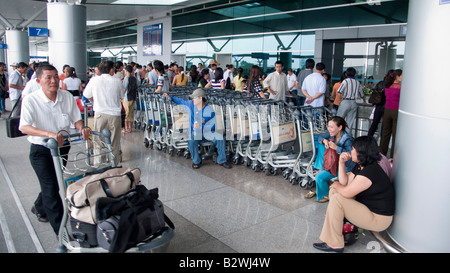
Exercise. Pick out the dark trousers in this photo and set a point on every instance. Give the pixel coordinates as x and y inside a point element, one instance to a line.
<point>388,129</point>
<point>48,203</point>
<point>377,116</point>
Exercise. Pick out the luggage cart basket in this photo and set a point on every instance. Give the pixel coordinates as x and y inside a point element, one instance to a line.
<point>76,164</point>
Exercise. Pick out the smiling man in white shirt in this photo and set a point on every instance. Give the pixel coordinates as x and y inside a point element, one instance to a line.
<point>106,93</point>
<point>45,113</point>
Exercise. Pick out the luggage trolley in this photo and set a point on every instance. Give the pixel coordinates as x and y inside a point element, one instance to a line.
<point>283,134</point>
<point>152,116</point>
<point>302,170</point>
<point>314,121</point>
<point>241,124</point>
<point>253,142</point>
<point>139,110</point>
<point>77,164</point>
<point>265,146</point>
<point>178,133</point>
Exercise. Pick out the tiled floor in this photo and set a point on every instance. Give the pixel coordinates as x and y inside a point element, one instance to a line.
<point>214,209</point>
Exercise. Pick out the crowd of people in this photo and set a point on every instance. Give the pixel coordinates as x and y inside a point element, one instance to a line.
<point>360,191</point>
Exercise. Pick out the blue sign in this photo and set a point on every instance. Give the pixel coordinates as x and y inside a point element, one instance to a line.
<point>39,32</point>
<point>3,46</point>
<point>443,2</point>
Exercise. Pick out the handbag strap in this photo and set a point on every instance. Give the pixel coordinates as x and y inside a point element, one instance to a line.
<point>15,105</point>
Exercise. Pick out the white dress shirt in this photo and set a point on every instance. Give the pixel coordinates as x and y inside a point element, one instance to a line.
<point>278,83</point>
<point>291,81</point>
<point>30,87</point>
<point>313,84</point>
<point>107,92</point>
<point>16,79</point>
<point>42,113</point>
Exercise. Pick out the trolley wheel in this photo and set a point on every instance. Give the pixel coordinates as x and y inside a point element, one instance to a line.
<point>292,179</point>
<point>268,170</point>
<point>179,152</point>
<point>248,163</point>
<point>255,167</point>
<point>286,173</point>
<point>235,160</point>
<point>303,183</point>
<point>171,152</point>
<point>146,143</point>
<point>273,171</point>
<point>311,184</point>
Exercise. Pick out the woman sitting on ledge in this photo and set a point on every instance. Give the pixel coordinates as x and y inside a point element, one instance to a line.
<point>364,196</point>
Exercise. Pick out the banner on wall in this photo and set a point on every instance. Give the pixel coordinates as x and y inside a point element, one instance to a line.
<point>152,40</point>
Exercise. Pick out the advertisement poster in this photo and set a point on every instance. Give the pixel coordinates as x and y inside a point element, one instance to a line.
<point>152,40</point>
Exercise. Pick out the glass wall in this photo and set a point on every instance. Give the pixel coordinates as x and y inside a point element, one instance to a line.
<point>293,49</point>
<point>372,59</point>
<point>281,29</point>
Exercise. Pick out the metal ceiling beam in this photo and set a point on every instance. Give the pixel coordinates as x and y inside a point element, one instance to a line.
<point>31,19</point>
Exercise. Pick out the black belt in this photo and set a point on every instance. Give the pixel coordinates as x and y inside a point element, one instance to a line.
<point>348,99</point>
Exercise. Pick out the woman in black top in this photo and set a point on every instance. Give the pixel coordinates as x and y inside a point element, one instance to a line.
<point>364,196</point>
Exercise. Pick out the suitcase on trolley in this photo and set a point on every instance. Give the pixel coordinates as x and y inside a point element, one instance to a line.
<point>83,194</point>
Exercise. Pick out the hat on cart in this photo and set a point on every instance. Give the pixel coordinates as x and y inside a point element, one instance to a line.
<point>198,93</point>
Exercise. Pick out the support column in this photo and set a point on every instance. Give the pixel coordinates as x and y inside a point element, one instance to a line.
<point>421,222</point>
<point>18,48</point>
<point>67,36</point>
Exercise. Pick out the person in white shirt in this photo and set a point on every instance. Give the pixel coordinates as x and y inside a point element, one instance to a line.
<point>292,84</point>
<point>228,76</point>
<point>72,83</point>
<point>31,86</point>
<point>314,87</point>
<point>16,86</point>
<point>276,83</point>
<point>45,113</point>
<point>106,93</point>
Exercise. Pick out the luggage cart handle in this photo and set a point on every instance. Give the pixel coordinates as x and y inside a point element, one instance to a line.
<point>52,144</point>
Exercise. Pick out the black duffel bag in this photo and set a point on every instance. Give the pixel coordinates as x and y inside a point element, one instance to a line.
<point>12,124</point>
<point>125,221</point>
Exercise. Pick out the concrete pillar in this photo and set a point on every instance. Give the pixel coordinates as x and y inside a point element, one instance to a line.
<point>421,222</point>
<point>18,48</point>
<point>67,36</point>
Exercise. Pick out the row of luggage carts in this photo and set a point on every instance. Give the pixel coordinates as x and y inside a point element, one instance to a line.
<point>265,135</point>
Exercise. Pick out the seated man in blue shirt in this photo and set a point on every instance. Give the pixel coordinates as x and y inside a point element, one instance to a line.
<point>202,125</point>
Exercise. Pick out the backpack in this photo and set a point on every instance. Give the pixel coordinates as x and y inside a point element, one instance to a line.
<point>132,89</point>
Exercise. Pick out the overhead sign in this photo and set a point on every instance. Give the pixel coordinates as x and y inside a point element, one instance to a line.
<point>39,32</point>
<point>443,2</point>
<point>152,40</point>
<point>3,46</point>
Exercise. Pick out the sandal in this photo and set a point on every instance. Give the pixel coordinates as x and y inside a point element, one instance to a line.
<point>310,194</point>
<point>324,199</point>
<point>196,166</point>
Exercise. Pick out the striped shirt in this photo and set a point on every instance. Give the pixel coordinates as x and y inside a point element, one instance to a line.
<point>350,88</point>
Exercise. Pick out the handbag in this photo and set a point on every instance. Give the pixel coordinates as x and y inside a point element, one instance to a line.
<point>12,124</point>
<point>4,94</point>
<point>331,161</point>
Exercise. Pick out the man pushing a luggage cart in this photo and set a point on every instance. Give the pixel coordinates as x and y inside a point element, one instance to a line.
<point>46,113</point>
<point>202,127</point>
